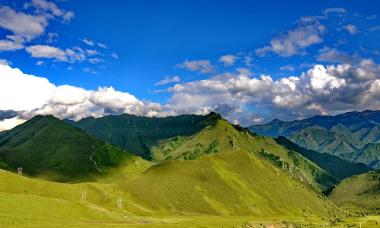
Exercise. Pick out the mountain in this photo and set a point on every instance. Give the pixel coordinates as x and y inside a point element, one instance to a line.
<point>220,171</point>
<point>48,146</point>
<point>349,135</point>
<point>359,194</point>
<point>188,137</point>
<point>337,167</point>
<point>138,134</point>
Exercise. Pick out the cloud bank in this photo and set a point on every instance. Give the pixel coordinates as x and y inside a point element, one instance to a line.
<point>238,96</point>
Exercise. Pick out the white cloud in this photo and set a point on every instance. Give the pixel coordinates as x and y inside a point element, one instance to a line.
<point>50,7</point>
<point>69,95</point>
<point>333,55</point>
<point>320,90</point>
<point>45,51</point>
<point>228,60</point>
<point>19,91</point>
<point>31,95</point>
<point>168,80</point>
<point>203,66</point>
<point>40,63</point>
<point>25,25</point>
<point>95,60</point>
<point>288,68</point>
<point>115,56</point>
<point>351,29</point>
<point>72,55</point>
<point>92,52</point>
<point>294,42</point>
<point>102,45</point>
<point>88,42</point>
<point>8,45</point>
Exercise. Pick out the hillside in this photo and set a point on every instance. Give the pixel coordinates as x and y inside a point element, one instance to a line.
<point>223,170</point>
<point>47,146</point>
<point>202,135</point>
<point>138,133</point>
<point>223,137</point>
<point>334,165</point>
<point>346,135</point>
<point>359,194</point>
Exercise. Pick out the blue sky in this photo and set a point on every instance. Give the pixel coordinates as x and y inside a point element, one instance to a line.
<point>132,46</point>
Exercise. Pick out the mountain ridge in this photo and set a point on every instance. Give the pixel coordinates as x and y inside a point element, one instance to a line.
<point>345,135</point>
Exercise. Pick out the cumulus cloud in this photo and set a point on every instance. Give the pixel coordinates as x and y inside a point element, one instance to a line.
<point>202,66</point>
<point>168,80</point>
<point>21,24</point>
<point>294,42</point>
<point>46,51</point>
<point>72,55</point>
<point>31,95</point>
<point>320,90</point>
<point>240,96</point>
<point>228,60</point>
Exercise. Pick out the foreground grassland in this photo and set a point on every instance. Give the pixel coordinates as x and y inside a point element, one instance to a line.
<point>32,202</point>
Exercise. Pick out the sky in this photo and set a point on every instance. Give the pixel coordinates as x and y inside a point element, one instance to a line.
<point>252,61</point>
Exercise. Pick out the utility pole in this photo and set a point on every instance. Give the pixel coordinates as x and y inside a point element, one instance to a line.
<point>19,171</point>
<point>83,196</point>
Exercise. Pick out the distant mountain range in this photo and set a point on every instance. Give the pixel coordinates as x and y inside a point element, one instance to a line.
<point>354,136</point>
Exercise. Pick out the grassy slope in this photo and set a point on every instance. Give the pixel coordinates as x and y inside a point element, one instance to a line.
<point>47,146</point>
<point>359,193</point>
<point>224,137</point>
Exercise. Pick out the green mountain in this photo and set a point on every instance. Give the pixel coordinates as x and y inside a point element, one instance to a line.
<point>337,167</point>
<point>47,146</point>
<point>359,194</point>
<point>138,134</point>
<point>185,138</point>
<point>350,135</point>
<point>220,171</point>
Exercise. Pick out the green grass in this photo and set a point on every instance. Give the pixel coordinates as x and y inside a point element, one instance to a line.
<point>359,194</point>
<point>46,146</point>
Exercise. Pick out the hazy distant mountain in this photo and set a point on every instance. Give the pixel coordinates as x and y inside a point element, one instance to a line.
<point>351,135</point>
